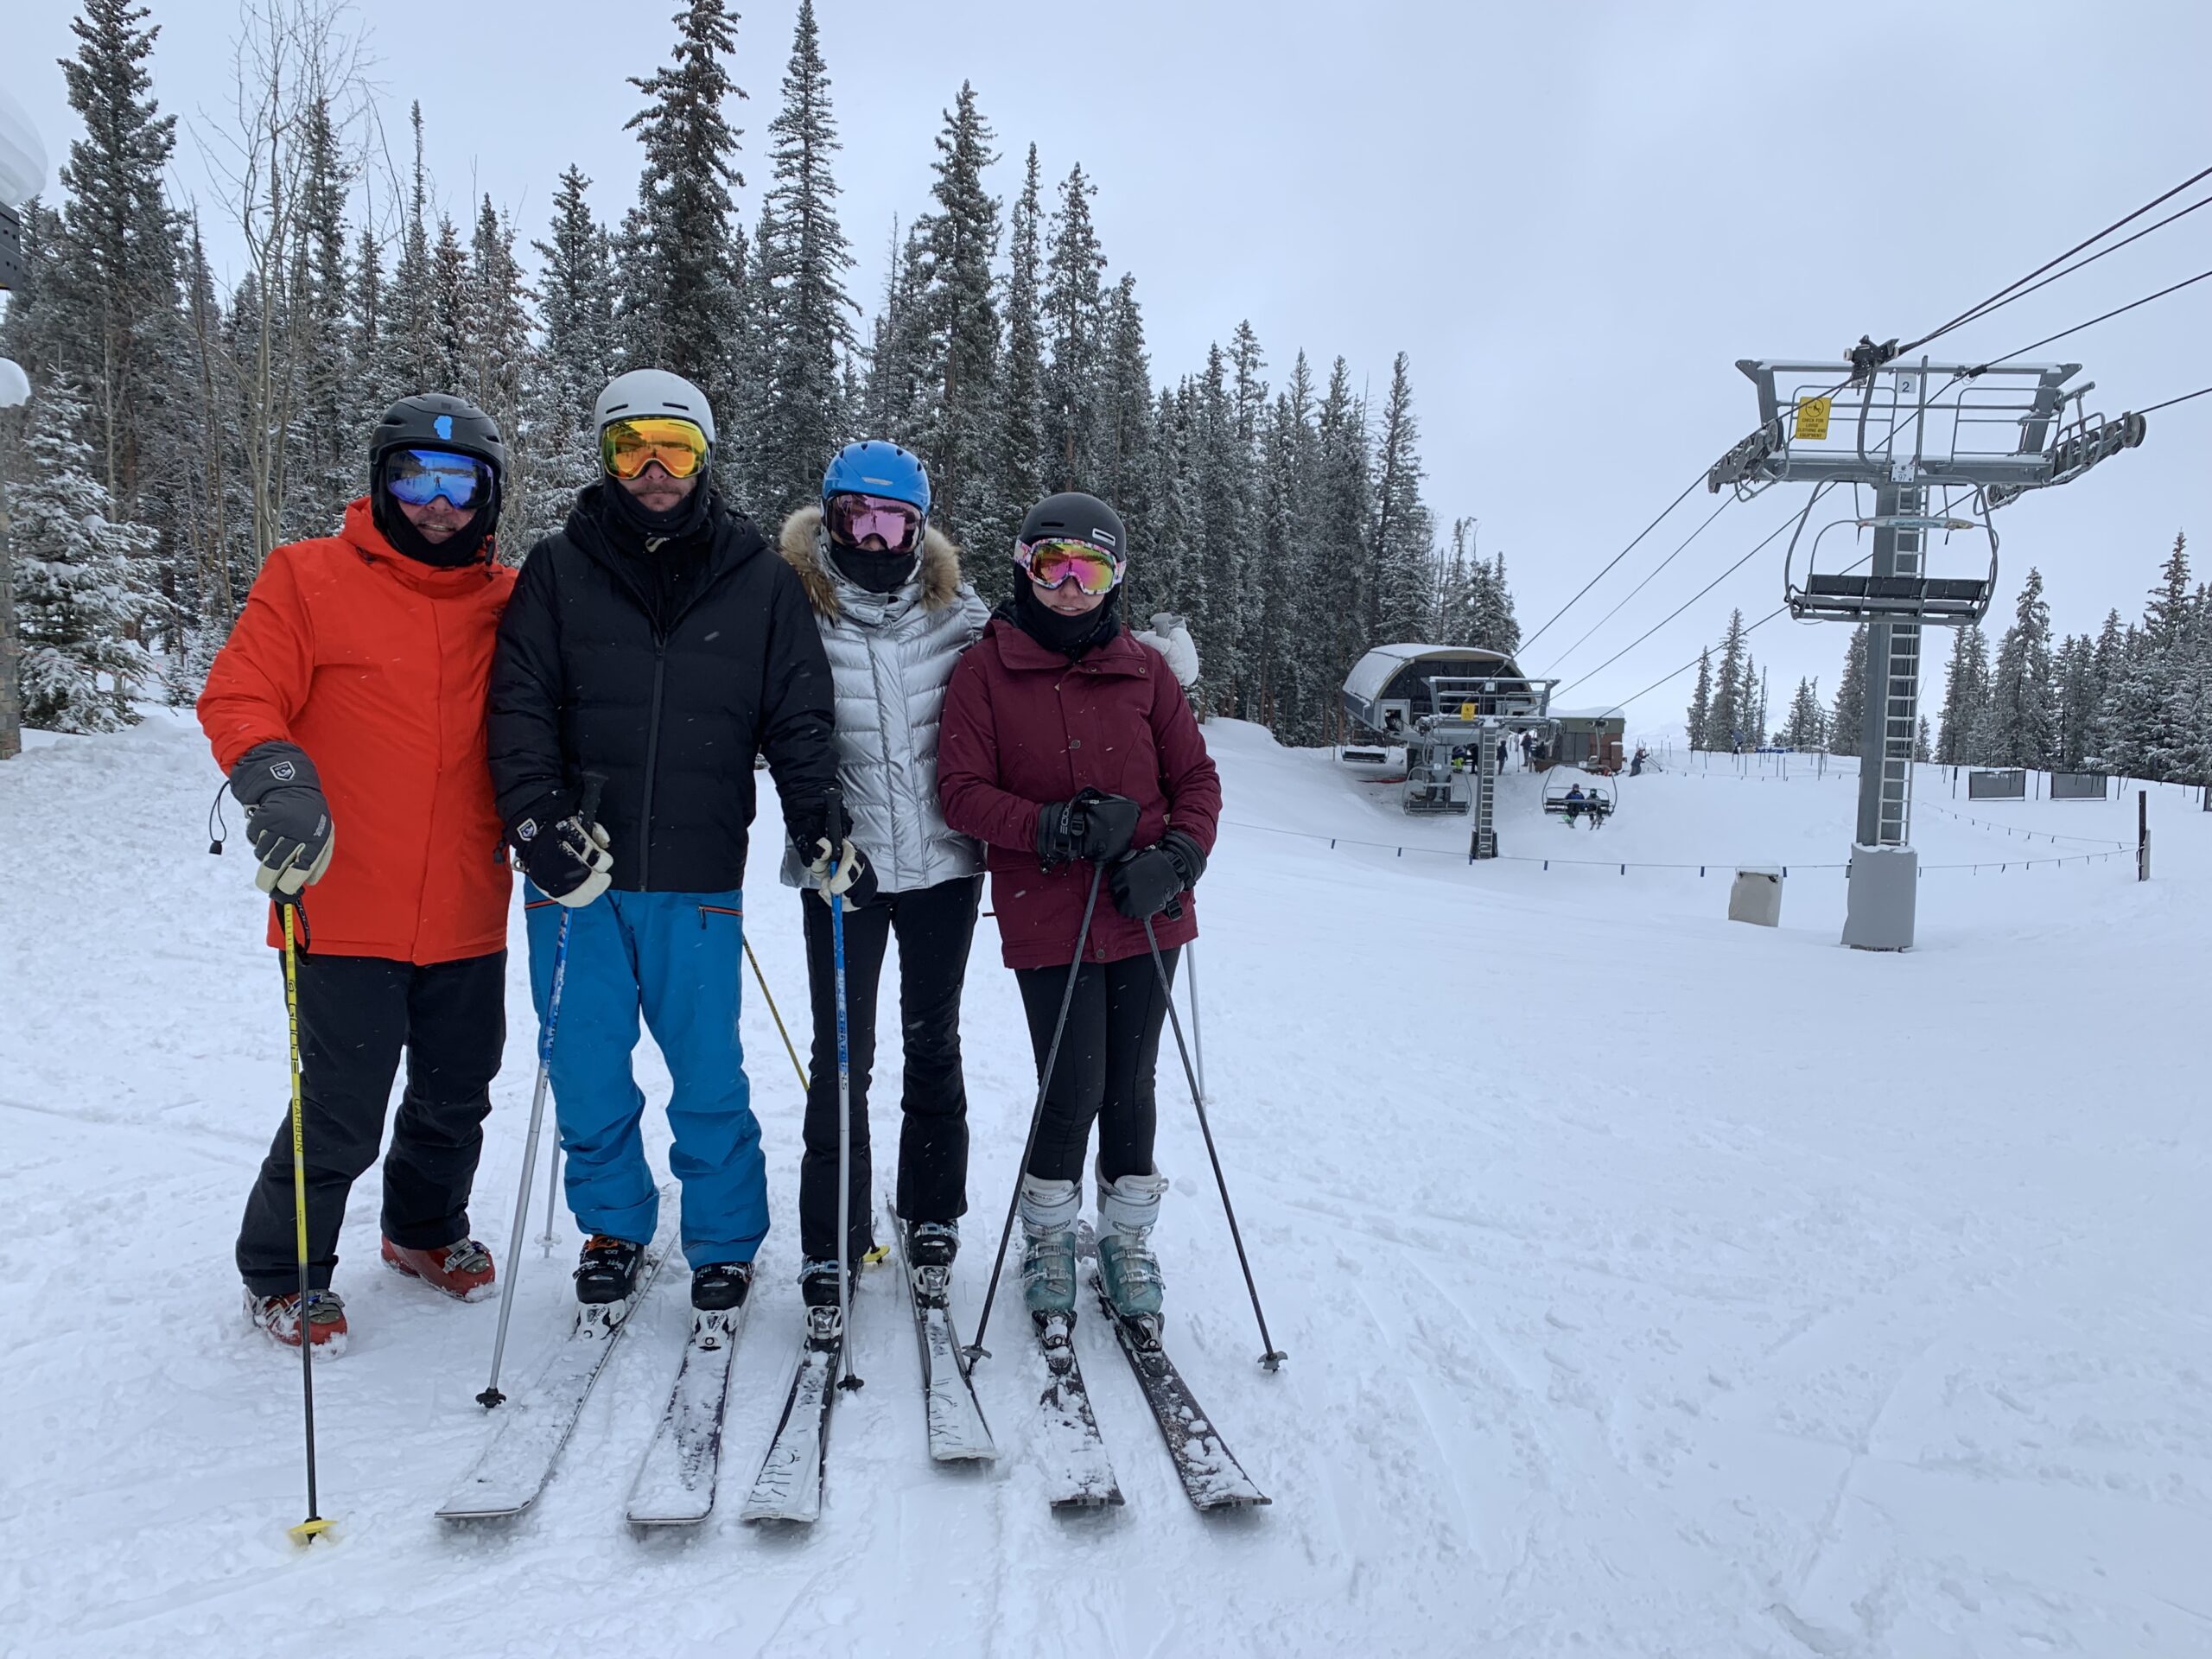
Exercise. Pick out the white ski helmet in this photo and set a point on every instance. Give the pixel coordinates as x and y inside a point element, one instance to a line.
<point>643,393</point>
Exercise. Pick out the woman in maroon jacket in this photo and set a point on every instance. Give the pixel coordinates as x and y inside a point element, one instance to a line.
<point>1068,747</point>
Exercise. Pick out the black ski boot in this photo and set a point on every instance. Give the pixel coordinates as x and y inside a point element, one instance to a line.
<point>818,1284</point>
<point>607,1271</point>
<point>931,1246</point>
<point>721,1286</point>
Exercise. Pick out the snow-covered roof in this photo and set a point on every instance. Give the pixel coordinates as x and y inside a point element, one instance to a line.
<point>1374,671</point>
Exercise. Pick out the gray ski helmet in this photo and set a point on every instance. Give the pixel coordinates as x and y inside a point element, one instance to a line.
<point>643,393</point>
<point>436,420</point>
<point>1077,518</point>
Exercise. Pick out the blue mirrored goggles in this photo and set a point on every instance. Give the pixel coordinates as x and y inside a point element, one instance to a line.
<point>418,477</point>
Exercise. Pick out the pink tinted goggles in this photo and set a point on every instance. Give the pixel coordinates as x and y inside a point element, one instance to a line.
<point>854,518</point>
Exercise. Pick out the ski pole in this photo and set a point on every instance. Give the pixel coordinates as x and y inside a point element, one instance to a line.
<point>315,1525</point>
<point>844,1151</point>
<point>976,1351</point>
<point>552,1190</point>
<point>1273,1355</point>
<point>1197,1035</point>
<point>775,1013</point>
<point>491,1397</point>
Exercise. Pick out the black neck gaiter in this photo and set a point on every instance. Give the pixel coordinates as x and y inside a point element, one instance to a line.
<point>1071,635</point>
<point>464,547</point>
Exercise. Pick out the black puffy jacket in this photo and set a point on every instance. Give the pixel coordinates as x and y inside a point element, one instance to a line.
<point>666,670</point>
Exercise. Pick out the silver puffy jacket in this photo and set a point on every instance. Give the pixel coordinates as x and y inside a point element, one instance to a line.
<point>891,656</point>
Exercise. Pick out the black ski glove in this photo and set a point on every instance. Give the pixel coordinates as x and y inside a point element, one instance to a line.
<point>569,860</point>
<point>1146,883</point>
<point>1095,826</point>
<point>286,819</point>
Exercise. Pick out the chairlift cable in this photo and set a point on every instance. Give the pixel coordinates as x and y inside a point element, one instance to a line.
<point>1762,547</point>
<point>1617,558</point>
<point>2170,402</point>
<point>2108,316</point>
<point>1725,501</point>
<point>2006,293</point>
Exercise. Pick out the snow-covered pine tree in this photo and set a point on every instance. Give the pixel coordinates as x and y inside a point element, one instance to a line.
<point>1223,464</point>
<point>450,308</point>
<point>1496,624</point>
<point>1125,409</point>
<point>500,359</point>
<point>1966,692</point>
<point>1921,742</point>
<point>1698,719</point>
<point>2018,724</point>
<point>325,471</point>
<point>81,597</point>
<point>1022,461</point>
<point>576,357</point>
<point>1075,330</point>
<point>1725,723</point>
<point>1168,573</point>
<point>1293,699</point>
<point>1403,536</point>
<point>408,357</point>
<point>1847,723</point>
<point>118,245</point>
<point>1807,727</point>
<point>803,316</point>
<point>1340,559</point>
<point>683,252</point>
<point>959,431</point>
<point>900,377</point>
<point>2073,672</point>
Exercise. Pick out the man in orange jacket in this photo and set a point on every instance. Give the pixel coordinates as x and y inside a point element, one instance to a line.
<point>350,695</point>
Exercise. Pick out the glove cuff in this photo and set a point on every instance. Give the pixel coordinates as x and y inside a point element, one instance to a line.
<point>1190,857</point>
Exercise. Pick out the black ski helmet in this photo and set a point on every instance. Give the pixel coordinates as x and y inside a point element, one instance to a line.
<point>436,420</point>
<point>1077,518</point>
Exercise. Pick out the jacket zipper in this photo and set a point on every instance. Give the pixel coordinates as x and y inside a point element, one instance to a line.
<point>652,760</point>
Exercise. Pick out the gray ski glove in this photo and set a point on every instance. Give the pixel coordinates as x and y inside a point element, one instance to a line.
<point>286,819</point>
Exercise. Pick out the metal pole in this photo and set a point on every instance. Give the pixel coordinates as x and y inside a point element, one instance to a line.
<point>1271,1356</point>
<point>307,1531</point>
<point>1882,897</point>
<point>1198,1036</point>
<point>844,1149</point>
<point>491,1397</point>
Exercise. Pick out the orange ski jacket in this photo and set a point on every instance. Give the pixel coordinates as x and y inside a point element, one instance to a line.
<point>379,667</point>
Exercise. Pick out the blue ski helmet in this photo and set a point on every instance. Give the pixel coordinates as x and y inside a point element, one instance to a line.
<point>874,467</point>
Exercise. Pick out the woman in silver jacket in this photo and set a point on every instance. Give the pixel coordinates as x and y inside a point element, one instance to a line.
<point>894,615</point>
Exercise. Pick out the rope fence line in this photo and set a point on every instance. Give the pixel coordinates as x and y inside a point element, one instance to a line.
<point>2001,866</point>
<point>2049,836</point>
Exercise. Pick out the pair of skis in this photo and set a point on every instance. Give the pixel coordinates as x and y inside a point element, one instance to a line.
<point>789,1486</point>
<point>1082,1477</point>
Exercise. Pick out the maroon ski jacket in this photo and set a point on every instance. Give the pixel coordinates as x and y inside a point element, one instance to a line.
<point>1025,727</point>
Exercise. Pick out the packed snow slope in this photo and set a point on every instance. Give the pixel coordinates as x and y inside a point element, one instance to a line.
<point>1651,1285</point>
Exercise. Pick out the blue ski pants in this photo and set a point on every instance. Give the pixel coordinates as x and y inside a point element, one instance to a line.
<point>675,959</point>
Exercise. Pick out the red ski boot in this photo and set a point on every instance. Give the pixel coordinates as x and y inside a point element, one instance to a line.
<point>280,1317</point>
<point>462,1270</point>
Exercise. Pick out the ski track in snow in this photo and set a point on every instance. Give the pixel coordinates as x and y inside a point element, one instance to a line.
<point>1635,1304</point>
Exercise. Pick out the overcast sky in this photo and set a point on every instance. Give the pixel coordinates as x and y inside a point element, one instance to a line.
<point>1574,218</point>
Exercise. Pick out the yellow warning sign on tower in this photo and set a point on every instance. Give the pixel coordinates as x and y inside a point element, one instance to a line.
<point>1813,418</point>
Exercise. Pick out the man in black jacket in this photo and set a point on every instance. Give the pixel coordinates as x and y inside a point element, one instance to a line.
<point>655,644</point>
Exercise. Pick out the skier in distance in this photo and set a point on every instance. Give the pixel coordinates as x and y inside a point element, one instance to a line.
<point>350,695</point>
<point>894,616</point>
<point>657,643</point>
<point>1068,745</point>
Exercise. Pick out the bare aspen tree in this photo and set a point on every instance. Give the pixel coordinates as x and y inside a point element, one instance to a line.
<point>296,66</point>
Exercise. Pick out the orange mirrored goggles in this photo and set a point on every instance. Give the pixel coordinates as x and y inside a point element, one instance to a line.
<point>627,448</point>
<point>1056,561</point>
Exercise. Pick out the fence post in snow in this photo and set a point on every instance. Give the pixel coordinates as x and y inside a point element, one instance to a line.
<point>2142,834</point>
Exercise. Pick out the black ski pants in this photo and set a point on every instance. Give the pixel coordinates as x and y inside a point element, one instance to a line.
<point>1108,1055</point>
<point>356,1014</point>
<point>935,926</point>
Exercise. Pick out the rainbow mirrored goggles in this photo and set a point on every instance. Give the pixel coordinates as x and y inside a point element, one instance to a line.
<point>627,448</point>
<point>1054,561</point>
<point>418,477</point>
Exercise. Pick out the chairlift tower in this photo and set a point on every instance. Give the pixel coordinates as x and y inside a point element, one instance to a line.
<point>1939,446</point>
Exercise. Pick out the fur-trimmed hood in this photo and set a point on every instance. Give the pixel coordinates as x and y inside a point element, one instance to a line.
<point>801,545</point>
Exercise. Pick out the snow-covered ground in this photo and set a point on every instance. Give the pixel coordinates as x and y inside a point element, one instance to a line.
<point>1652,1284</point>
